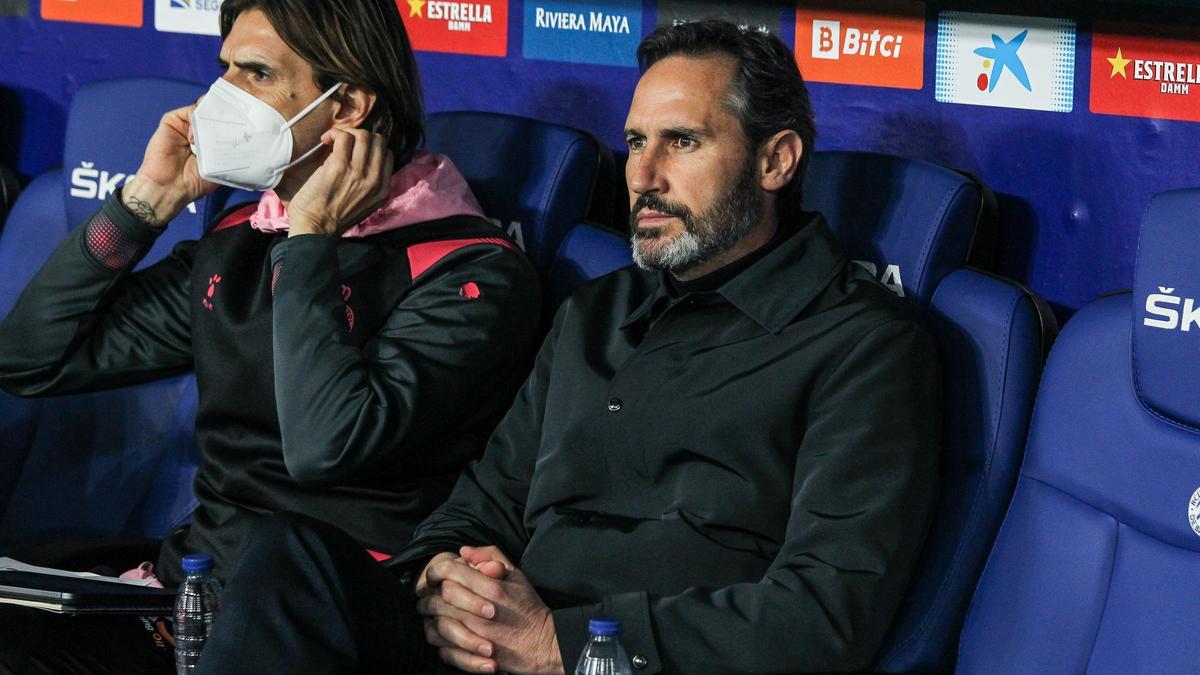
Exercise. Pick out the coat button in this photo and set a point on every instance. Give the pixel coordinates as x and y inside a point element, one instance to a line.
<point>614,405</point>
<point>639,661</point>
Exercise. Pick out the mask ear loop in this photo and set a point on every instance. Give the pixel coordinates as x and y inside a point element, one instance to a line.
<point>302,113</point>
<point>297,118</point>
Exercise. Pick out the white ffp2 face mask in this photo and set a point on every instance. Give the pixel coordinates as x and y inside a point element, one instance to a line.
<point>243,142</point>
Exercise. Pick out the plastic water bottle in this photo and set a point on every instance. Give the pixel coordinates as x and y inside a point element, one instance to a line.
<point>603,654</point>
<point>195,608</point>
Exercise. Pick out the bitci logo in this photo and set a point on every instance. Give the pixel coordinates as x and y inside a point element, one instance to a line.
<point>107,12</point>
<point>827,42</point>
<point>479,28</point>
<point>877,44</point>
<point>1006,61</point>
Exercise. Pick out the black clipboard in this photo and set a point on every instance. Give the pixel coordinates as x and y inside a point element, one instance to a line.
<point>72,595</point>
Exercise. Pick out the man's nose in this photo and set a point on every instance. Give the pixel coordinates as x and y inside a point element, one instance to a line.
<point>645,173</point>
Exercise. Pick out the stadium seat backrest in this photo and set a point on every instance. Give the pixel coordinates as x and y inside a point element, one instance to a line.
<point>910,222</point>
<point>95,463</point>
<point>535,179</point>
<point>989,333</point>
<point>108,126</point>
<point>586,253</point>
<point>36,225</point>
<point>1096,563</point>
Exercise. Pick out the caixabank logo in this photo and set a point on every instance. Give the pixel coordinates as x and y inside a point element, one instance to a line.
<point>106,12</point>
<point>198,17</point>
<point>1006,61</point>
<point>605,32</point>
<point>879,44</point>
<point>1144,71</point>
<point>479,28</point>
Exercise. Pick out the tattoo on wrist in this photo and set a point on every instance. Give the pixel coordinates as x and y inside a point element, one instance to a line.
<point>142,210</point>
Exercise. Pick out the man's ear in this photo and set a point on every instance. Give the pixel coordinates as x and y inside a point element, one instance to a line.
<point>353,105</point>
<point>779,159</point>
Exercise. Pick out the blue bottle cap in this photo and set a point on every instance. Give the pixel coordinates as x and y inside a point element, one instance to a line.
<point>607,627</point>
<point>197,562</point>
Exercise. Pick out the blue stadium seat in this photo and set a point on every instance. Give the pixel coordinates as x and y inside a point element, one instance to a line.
<point>586,253</point>
<point>908,221</point>
<point>114,462</point>
<point>913,224</point>
<point>39,222</point>
<point>108,126</point>
<point>1096,563</point>
<point>534,179</point>
<point>991,335</point>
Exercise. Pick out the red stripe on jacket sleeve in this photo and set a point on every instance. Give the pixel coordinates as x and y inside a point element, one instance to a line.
<point>423,256</point>
<point>236,217</point>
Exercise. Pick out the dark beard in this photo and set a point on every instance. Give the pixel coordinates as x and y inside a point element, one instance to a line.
<point>715,231</point>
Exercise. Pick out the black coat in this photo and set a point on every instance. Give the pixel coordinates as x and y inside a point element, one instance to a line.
<point>346,379</point>
<point>744,477</point>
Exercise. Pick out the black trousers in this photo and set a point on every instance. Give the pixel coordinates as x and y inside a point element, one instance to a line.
<point>34,641</point>
<point>306,598</point>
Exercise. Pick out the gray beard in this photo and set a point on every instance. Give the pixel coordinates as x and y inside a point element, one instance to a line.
<point>715,231</point>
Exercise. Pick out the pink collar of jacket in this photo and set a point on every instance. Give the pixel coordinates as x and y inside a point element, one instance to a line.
<point>427,188</point>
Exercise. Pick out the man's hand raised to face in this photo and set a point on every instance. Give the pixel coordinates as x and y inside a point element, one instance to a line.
<point>169,177</point>
<point>352,182</point>
<point>484,616</point>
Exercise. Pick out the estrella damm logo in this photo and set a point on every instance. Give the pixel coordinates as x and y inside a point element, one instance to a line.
<point>479,28</point>
<point>1145,71</point>
<point>107,12</point>
<point>880,44</point>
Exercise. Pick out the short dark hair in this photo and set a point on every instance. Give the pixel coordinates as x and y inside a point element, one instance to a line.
<point>767,94</point>
<point>359,42</point>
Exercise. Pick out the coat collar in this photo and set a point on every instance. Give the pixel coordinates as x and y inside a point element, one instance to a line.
<point>774,290</point>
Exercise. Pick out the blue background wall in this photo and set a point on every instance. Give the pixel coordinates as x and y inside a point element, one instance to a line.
<point>1071,186</point>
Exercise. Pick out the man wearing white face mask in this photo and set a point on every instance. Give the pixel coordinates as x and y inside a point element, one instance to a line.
<point>356,334</point>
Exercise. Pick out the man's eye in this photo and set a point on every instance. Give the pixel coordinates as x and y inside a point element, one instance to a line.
<point>685,143</point>
<point>635,143</point>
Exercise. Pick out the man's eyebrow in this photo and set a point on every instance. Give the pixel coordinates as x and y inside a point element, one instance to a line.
<point>673,132</point>
<point>247,65</point>
<point>684,132</point>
